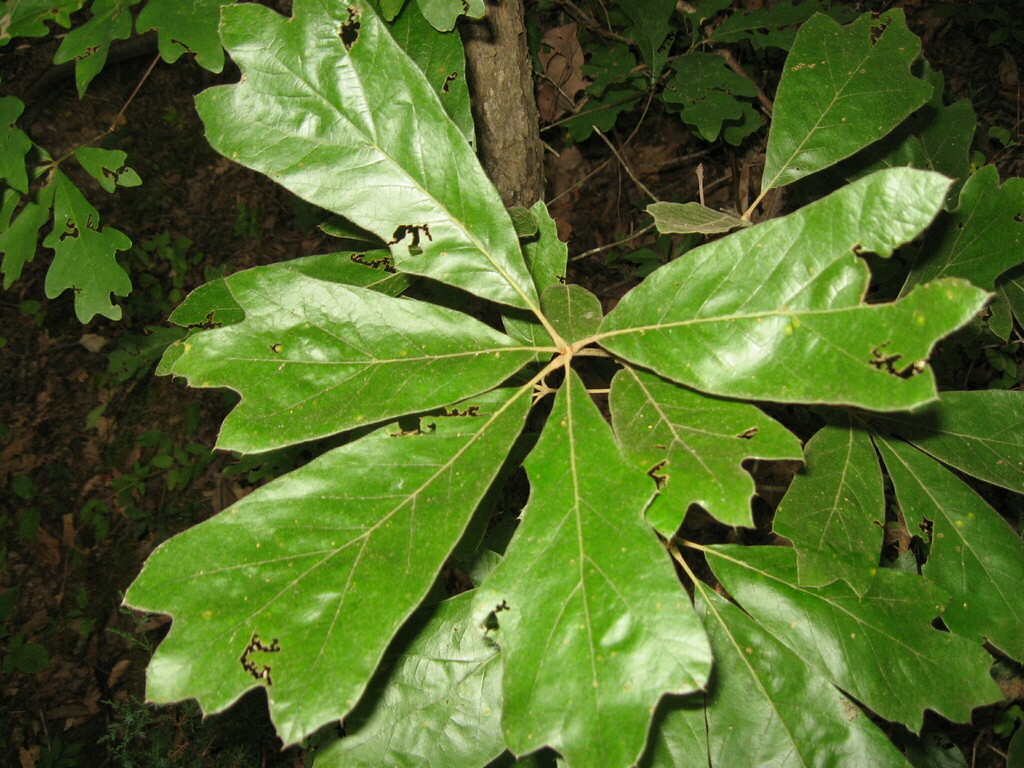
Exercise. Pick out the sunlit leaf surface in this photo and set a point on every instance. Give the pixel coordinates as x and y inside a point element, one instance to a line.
<point>592,623</point>
<point>775,311</point>
<point>842,88</point>
<point>877,647</point>
<point>974,555</point>
<point>312,358</point>
<point>315,114</point>
<point>300,586</point>
<point>694,445</point>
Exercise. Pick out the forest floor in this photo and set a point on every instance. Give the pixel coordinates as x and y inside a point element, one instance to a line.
<point>100,461</point>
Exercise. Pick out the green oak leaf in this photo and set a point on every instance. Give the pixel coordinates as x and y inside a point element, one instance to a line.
<point>765,27</point>
<point>1010,288</point>
<point>436,704</point>
<point>592,624</point>
<point>190,27</point>
<point>441,58</point>
<point>10,199</point>
<point>312,358</point>
<point>684,218</point>
<point>27,18</point>
<point>877,647</point>
<point>85,257</point>
<point>694,445</point>
<point>980,433</point>
<point>107,167</point>
<point>705,92</point>
<point>14,145</point>
<point>945,132</point>
<point>573,311</point>
<point>602,111</point>
<point>979,240</point>
<point>88,45</point>
<point>650,30</point>
<point>213,305</point>
<point>547,258</point>
<point>974,555</point>
<point>300,586</point>
<point>842,88</point>
<point>766,707</point>
<point>608,66</point>
<point>935,137</point>
<point>524,221</point>
<point>442,14</point>
<point>775,311</point>
<point>313,113</point>
<point>834,510</point>
<point>19,241</point>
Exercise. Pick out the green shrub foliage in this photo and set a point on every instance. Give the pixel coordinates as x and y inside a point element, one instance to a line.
<point>598,629</point>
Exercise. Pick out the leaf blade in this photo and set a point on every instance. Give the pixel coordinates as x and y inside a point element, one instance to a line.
<point>867,91</point>
<point>331,576</point>
<point>695,445</point>
<point>766,708</point>
<point>980,433</point>
<point>625,634</point>
<point>834,510</point>
<point>775,311</point>
<point>974,555</point>
<point>84,254</point>
<point>439,706</point>
<point>846,637</point>
<point>313,113</point>
<point>312,358</point>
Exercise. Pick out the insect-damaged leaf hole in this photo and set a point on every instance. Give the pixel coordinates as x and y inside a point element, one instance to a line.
<point>413,232</point>
<point>349,30</point>
<point>258,671</point>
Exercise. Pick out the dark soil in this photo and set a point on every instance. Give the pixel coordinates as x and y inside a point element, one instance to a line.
<point>84,502</point>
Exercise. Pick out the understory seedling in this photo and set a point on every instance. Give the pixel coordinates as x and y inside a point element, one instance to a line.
<point>604,628</point>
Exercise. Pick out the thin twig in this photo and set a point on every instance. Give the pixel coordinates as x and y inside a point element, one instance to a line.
<point>625,165</point>
<point>113,123</point>
<point>598,169</point>
<point>731,63</point>
<point>591,22</point>
<point>142,80</point>
<point>609,246</point>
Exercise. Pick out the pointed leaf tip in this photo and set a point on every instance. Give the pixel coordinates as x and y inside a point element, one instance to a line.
<point>313,113</point>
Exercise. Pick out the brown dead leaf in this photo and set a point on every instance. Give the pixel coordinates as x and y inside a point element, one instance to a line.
<point>1009,76</point>
<point>29,758</point>
<point>46,549</point>
<point>561,58</point>
<point>118,672</point>
<point>68,533</point>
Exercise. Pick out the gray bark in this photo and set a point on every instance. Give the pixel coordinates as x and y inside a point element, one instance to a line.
<point>504,109</point>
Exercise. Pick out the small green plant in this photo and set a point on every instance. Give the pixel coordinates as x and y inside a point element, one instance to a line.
<point>23,656</point>
<point>640,262</point>
<point>999,19</point>
<point>247,221</point>
<point>35,191</point>
<point>165,464</point>
<point>58,754</point>
<point>616,625</point>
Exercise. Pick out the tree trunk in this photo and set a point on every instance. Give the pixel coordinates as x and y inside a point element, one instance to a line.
<point>501,89</point>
